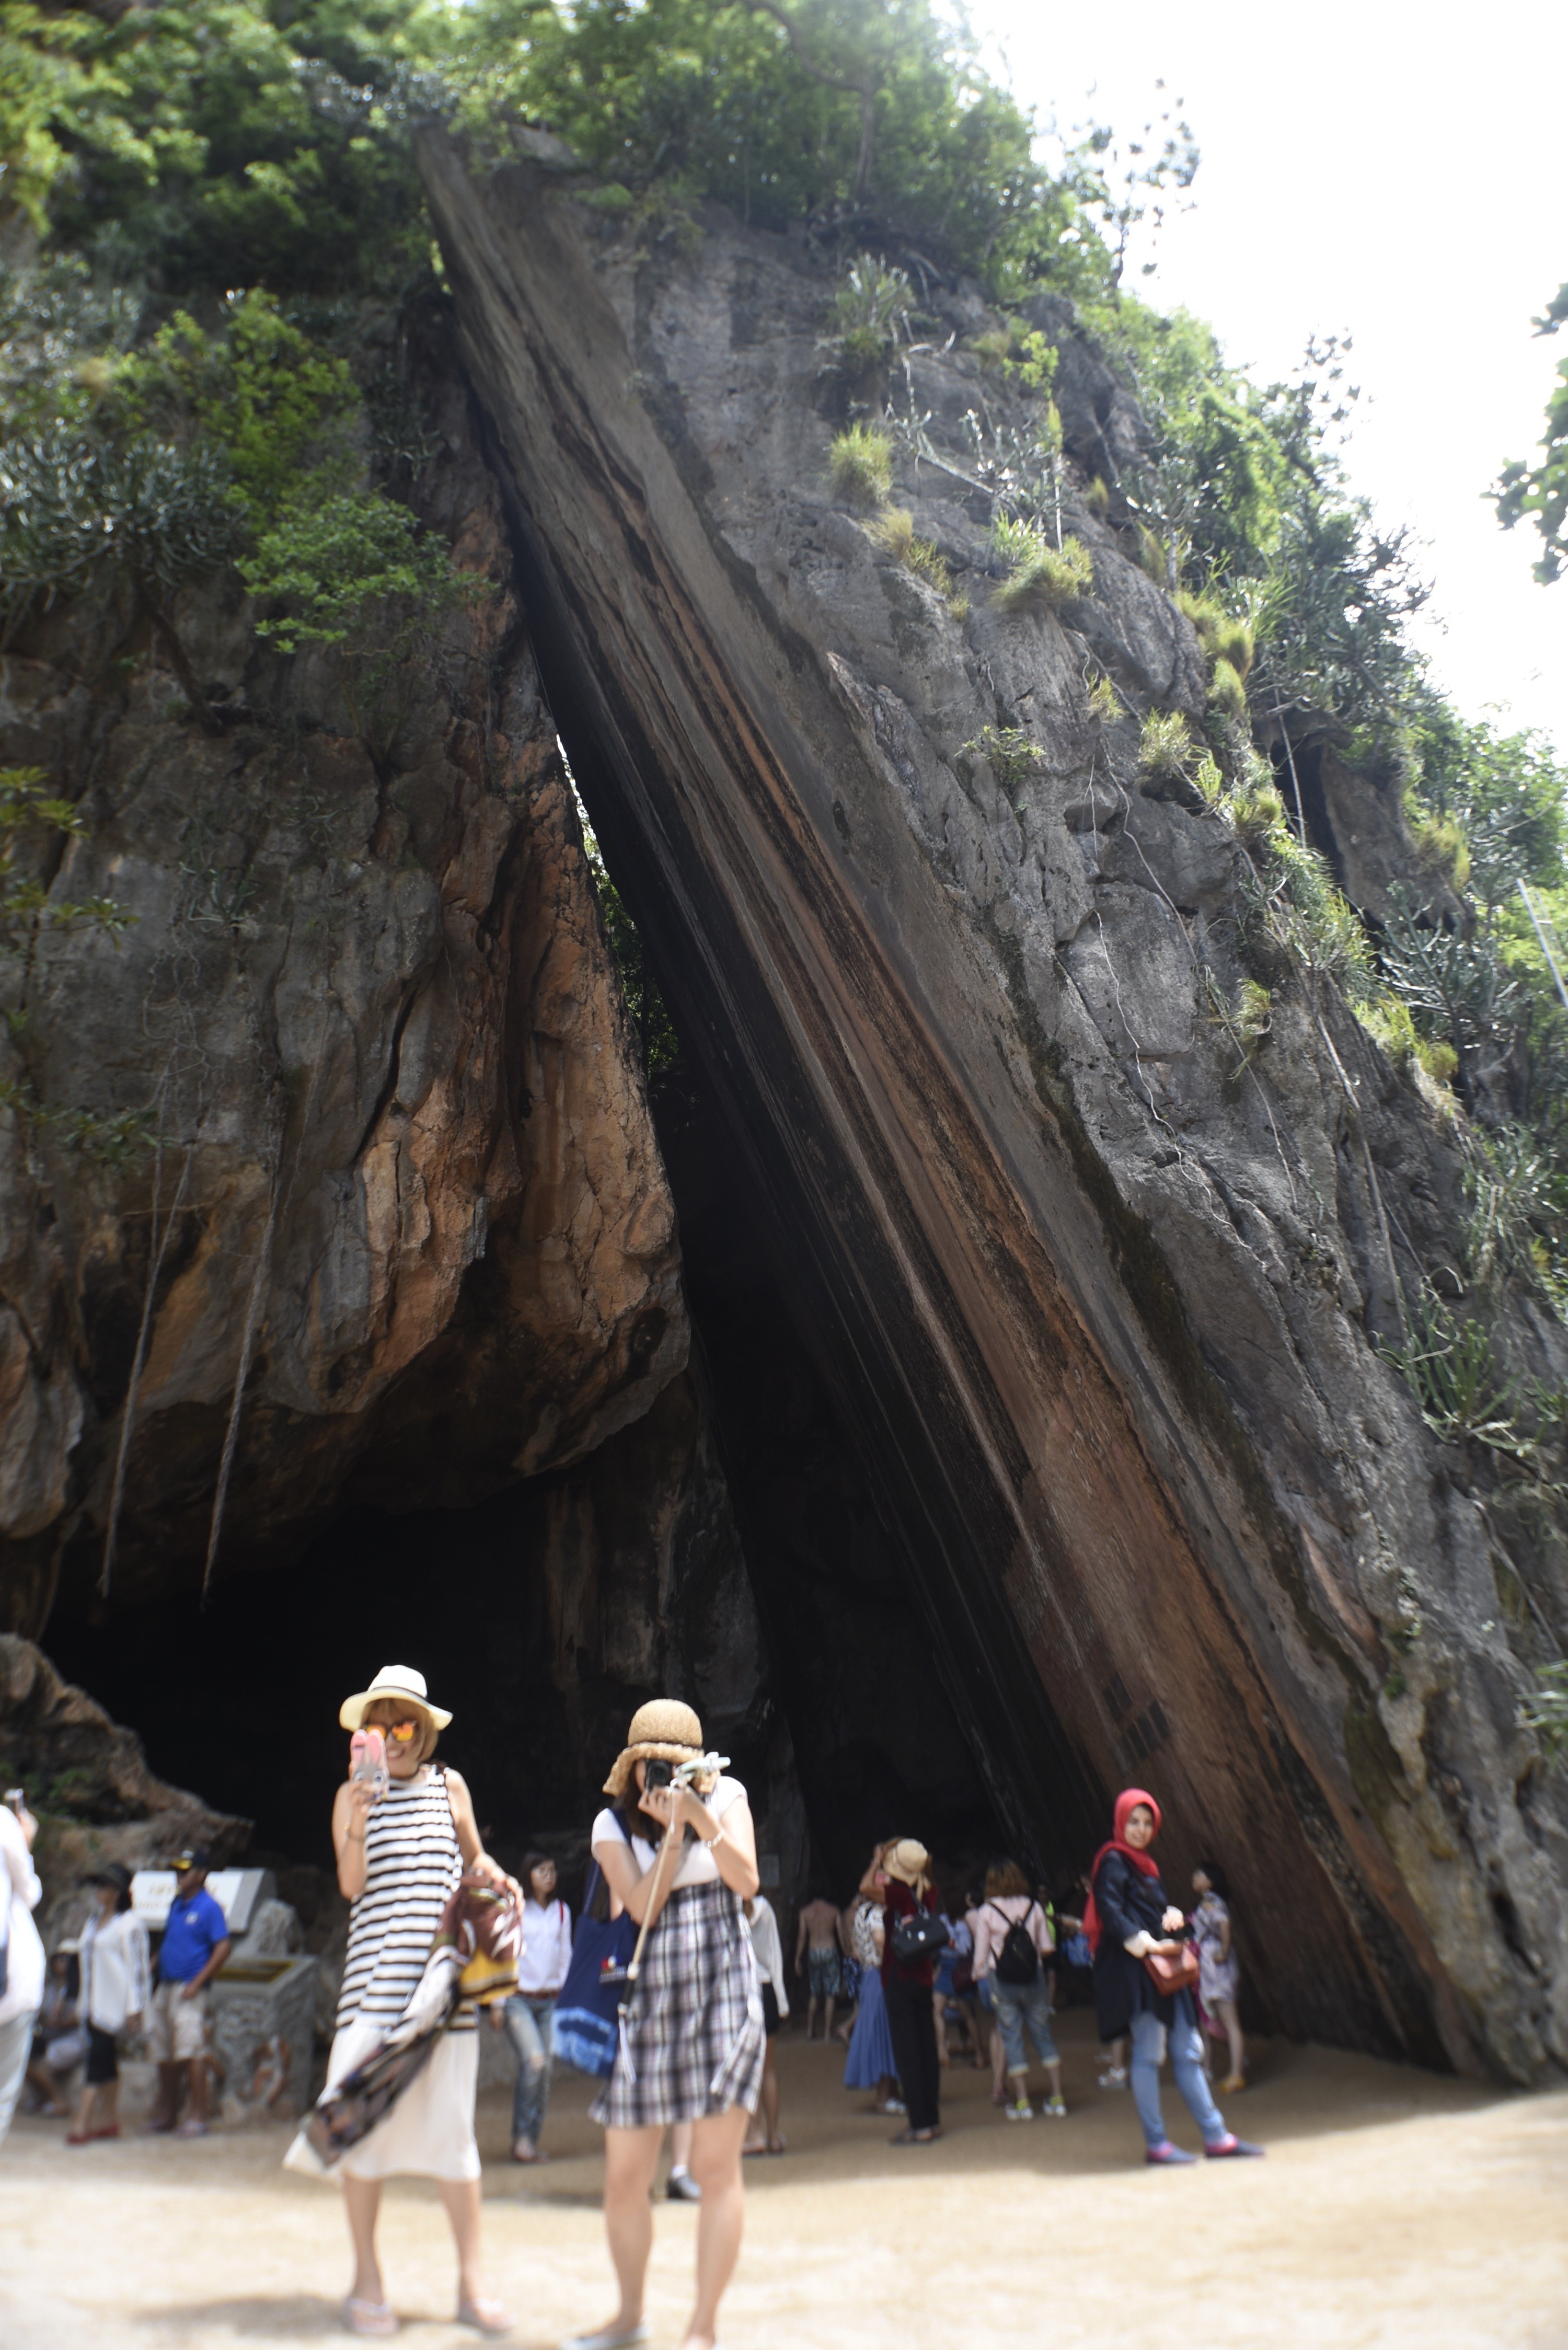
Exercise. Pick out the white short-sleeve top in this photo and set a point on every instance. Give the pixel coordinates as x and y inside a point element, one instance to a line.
<point>697,1865</point>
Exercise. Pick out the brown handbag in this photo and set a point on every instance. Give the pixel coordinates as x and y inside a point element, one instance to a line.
<point>1174,1970</point>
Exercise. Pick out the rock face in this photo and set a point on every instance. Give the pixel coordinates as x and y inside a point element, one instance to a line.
<point>1096,1315</point>
<point>87,1782</point>
<point>403,1175</point>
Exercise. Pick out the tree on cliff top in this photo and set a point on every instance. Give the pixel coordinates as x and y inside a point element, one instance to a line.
<point>1541,491</point>
<point>209,145</point>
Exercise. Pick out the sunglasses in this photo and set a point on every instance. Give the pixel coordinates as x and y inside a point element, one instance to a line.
<point>399,1734</point>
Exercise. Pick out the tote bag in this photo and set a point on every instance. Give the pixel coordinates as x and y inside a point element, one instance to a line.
<point>587,2014</point>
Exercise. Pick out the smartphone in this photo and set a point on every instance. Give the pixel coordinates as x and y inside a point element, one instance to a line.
<point>17,1799</point>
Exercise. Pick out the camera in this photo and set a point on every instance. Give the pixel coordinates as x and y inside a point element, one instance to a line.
<point>657,1774</point>
<point>17,1799</point>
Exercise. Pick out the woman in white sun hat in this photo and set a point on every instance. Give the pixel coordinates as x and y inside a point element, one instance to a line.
<point>400,1853</point>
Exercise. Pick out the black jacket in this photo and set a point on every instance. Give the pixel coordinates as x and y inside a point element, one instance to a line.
<point>1129,1903</point>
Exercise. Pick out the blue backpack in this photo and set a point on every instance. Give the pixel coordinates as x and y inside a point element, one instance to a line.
<point>587,2014</point>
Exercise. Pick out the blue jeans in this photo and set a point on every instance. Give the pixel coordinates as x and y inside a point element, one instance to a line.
<point>1015,2005</point>
<point>530,2020</point>
<point>1149,2040</point>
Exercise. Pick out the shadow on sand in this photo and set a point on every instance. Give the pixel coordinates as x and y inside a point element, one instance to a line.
<point>311,2318</point>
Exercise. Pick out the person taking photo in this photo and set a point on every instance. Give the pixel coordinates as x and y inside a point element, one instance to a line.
<point>682,1859</point>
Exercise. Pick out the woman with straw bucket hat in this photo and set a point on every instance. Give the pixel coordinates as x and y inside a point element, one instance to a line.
<point>404,1834</point>
<point>692,2043</point>
<point>906,1985</point>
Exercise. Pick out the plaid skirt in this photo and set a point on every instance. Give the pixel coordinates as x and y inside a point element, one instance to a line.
<point>691,2042</point>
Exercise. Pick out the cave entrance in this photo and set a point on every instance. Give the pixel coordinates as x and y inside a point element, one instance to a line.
<point>727,1545</point>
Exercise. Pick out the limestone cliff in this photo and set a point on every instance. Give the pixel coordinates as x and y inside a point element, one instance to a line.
<point>1099,1315</point>
<point>399,1171</point>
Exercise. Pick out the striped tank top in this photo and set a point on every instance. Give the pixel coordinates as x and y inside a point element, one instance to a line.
<point>411,1865</point>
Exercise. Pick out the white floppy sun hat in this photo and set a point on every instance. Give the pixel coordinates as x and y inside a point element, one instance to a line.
<point>392,1681</point>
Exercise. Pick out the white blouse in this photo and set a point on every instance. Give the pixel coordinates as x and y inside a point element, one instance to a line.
<point>697,1865</point>
<point>547,1948</point>
<point>116,1977</point>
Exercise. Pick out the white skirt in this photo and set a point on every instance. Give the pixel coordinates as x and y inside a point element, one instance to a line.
<point>427,2134</point>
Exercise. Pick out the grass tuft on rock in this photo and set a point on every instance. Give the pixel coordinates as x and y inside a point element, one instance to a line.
<point>860,466</point>
<point>1222,637</point>
<point>895,532</point>
<point>1042,579</point>
<point>1165,745</point>
<point>1226,692</point>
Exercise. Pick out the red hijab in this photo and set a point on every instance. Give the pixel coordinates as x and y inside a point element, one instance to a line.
<point>1126,1802</point>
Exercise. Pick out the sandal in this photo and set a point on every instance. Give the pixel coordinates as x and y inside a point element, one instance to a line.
<point>375,2319</point>
<point>484,2316</point>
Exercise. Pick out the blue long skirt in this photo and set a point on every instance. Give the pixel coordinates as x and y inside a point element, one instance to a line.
<point>870,2057</point>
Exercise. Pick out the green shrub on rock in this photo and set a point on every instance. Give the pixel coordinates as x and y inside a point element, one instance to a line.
<point>1012,755</point>
<point>357,576</point>
<point>868,304</point>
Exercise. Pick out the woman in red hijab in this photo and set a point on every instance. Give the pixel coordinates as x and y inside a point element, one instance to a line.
<point>1128,1918</point>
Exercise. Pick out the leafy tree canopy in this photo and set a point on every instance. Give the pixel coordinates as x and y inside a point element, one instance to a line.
<point>1541,491</point>
<point>219,142</point>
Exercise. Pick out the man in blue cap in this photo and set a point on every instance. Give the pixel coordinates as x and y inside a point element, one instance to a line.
<point>195,1944</point>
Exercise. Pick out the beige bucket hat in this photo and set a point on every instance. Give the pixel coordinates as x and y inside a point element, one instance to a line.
<point>909,1862</point>
<point>663,1730</point>
<point>392,1681</point>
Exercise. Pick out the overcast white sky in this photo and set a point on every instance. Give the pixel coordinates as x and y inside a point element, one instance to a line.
<point>1392,171</point>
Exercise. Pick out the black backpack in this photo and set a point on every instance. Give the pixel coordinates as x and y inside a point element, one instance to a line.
<point>1018,1960</point>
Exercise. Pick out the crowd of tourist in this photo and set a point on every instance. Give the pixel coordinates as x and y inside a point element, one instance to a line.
<point>672,1986</point>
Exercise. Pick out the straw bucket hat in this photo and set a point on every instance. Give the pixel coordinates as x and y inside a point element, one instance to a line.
<point>392,1682</point>
<point>909,1862</point>
<point>662,1731</point>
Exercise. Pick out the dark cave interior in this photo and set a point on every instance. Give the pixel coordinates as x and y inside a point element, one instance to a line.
<point>538,1617</point>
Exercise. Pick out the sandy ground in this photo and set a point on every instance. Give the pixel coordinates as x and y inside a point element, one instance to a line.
<point>1395,2209</point>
